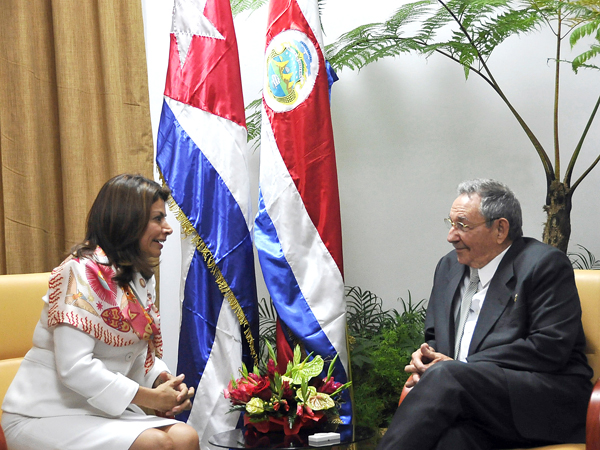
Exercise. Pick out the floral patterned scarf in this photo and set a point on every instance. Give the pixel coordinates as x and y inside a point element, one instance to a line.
<point>82,293</point>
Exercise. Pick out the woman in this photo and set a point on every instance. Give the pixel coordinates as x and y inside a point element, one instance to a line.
<point>96,350</point>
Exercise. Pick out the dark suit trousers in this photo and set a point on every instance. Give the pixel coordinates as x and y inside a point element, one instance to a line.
<point>455,406</point>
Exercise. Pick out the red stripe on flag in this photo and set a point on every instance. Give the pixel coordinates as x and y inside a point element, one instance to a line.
<point>285,354</point>
<point>210,79</point>
<point>304,137</point>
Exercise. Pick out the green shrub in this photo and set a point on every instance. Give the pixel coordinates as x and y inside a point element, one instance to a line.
<point>381,345</point>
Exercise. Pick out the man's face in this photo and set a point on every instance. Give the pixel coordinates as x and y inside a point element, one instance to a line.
<point>477,245</point>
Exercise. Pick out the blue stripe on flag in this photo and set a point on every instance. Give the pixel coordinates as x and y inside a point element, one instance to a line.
<point>198,189</point>
<point>198,323</point>
<point>331,76</point>
<point>289,300</point>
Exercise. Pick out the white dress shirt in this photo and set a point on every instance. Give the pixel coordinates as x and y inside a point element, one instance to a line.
<point>486,273</point>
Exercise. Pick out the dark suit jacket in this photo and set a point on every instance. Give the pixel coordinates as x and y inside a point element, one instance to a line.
<point>530,326</point>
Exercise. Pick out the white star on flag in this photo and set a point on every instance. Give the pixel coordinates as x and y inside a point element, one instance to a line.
<point>189,21</point>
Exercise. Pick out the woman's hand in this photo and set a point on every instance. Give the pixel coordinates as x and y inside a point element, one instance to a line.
<point>170,395</point>
<point>185,393</point>
<point>422,359</point>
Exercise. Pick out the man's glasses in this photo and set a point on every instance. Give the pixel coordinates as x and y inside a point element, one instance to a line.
<point>463,227</point>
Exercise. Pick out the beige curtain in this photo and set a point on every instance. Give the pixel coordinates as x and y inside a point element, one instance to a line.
<point>73,113</point>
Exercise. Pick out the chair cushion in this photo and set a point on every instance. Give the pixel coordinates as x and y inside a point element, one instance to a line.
<point>8,370</point>
<point>588,286</point>
<point>21,300</point>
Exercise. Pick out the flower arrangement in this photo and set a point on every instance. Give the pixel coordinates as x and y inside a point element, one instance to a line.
<point>292,400</point>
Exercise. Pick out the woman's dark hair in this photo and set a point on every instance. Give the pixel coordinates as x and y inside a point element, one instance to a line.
<point>117,221</point>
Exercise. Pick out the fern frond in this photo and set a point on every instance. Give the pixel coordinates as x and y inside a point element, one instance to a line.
<point>579,11</point>
<point>239,6</point>
<point>587,29</point>
<point>467,31</point>
<point>365,45</point>
<point>253,122</point>
<point>371,42</point>
<point>581,60</point>
<point>510,22</point>
<point>321,6</point>
<point>431,26</point>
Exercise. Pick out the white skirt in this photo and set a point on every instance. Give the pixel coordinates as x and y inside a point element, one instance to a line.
<point>77,432</point>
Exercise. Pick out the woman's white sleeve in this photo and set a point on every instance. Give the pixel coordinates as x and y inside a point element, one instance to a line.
<point>88,376</point>
<point>138,371</point>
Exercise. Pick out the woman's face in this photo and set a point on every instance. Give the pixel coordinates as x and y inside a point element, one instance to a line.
<point>156,232</point>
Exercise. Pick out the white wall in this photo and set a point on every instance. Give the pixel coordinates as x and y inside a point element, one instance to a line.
<point>407,131</point>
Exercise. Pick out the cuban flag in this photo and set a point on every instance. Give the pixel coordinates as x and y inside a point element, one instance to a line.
<point>298,228</point>
<point>202,156</point>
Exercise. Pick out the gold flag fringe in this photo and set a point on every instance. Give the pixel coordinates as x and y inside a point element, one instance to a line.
<point>189,230</point>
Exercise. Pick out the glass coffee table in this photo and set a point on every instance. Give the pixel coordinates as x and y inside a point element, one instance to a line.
<point>244,438</point>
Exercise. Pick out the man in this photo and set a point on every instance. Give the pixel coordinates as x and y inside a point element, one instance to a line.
<point>510,371</point>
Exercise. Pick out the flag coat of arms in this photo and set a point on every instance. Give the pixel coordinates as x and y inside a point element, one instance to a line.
<point>298,226</point>
<point>202,156</point>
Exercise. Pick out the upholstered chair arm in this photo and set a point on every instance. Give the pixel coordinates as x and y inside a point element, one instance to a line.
<point>2,440</point>
<point>592,426</point>
<point>405,391</point>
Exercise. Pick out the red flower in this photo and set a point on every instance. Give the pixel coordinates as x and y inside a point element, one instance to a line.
<point>309,411</point>
<point>261,385</point>
<point>246,388</point>
<point>240,395</point>
<point>305,412</point>
<point>271,368</point>
<point>329,387</point>
<point>287,391</point>
<point>228,389</point>
<point>281,404</point>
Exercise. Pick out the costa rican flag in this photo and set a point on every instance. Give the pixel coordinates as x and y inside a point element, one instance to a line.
<point>298,228</point>
<point>202,156</point>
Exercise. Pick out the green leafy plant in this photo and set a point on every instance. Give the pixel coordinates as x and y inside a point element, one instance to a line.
<point>267,322</point>
<point>467,32</point>
<point>253,122</point>
<point>240,6</point>
<point>381,345</point>
<point>365,312</point>
<point>584,260</point>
